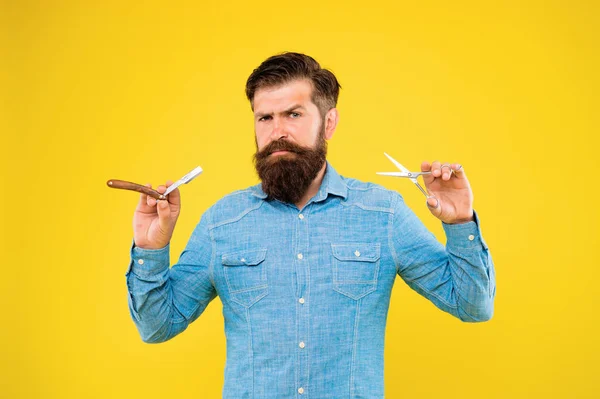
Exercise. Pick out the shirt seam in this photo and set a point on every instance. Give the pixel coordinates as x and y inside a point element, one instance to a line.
<point>354,348</point>
<point>236,218</point>
<point>459,298</point>
<point>211,268</point>
<point>367,208</point>
<point>390,233</point>
<point>308,340</point>
<point>442,300</point>
<point>250,349</point>
<point>396,261</point>
<point>298,372</point>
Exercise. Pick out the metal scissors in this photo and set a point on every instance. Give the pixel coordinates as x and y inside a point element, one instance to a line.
<point>405,173</point>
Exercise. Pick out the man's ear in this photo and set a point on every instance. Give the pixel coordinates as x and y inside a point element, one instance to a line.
<point>331,120</point>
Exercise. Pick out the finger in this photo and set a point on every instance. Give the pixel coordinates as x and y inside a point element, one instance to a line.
<point>436,169</point>
<point>458,171</point>
<point>150,201</point>
<point>173,197</point>
<point>446,170</point>
<point>161,190</point>
<point>426,167</point>
<point>144,196</point>
<point>143,204</point>
<point>434,206</point>
<point>164,215</point>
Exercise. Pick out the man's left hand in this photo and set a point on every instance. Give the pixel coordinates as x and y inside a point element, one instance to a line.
<point>451,198</point>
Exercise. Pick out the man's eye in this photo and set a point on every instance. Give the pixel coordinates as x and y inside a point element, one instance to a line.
<point>264,118</point>
<point>294,114</point>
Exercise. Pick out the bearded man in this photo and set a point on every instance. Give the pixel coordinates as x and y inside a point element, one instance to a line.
<point>304,263</point>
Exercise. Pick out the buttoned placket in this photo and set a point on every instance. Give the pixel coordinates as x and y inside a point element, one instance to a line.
<point>302,283</point>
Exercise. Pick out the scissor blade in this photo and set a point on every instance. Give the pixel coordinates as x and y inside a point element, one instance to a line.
<point>395,174</point>
<point>420,188</point>
<point>184,180</point>
<point>398,164</point>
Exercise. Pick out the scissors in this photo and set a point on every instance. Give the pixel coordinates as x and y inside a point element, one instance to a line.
<point>405,173</point>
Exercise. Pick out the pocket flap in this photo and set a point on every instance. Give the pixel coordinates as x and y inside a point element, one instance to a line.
<point>244,258</point>
<point>359,252</point>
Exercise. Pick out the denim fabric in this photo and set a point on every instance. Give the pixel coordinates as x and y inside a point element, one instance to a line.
<point>306,292</point>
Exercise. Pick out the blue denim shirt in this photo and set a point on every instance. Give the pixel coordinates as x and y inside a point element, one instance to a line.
<point>306,292</point>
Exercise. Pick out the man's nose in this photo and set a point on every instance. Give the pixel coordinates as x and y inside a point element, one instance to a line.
<point>279,130</point>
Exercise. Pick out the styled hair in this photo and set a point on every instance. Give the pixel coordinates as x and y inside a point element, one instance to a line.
<point>286,67</point>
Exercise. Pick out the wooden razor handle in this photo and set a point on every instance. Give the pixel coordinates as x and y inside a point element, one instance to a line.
<point>125,185</point>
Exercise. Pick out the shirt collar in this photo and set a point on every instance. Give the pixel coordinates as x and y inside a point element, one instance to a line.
<point>332,184</point>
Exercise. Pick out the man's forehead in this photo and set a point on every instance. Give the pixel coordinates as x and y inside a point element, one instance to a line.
<point>282,97</point>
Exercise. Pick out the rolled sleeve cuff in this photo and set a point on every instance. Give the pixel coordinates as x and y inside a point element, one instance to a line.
<point>148,262</point>
<point>465,235</point>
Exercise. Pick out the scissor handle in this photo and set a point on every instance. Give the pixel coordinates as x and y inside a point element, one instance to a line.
<point>417,174</point>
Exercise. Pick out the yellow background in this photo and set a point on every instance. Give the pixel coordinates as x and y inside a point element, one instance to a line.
<point>145,91</point>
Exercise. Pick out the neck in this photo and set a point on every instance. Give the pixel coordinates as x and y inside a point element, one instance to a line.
<point>313,188</point>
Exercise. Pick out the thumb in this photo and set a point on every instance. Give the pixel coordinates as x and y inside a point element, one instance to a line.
<point>434,206</point>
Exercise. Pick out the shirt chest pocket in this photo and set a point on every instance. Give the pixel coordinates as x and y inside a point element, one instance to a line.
<point>246,276</point>
<point>355,268</point>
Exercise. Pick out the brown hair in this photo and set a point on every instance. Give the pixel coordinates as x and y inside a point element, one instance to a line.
<point>286,67</point>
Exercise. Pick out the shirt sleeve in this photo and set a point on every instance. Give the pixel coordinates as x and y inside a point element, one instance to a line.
<point>458,278</point>
<point>163,301</point>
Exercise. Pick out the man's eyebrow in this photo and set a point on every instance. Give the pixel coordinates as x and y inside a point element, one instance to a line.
<point>293,107</point>
<point>289,109</point>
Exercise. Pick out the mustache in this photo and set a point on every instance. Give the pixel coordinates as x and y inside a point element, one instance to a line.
<point>281,145</point>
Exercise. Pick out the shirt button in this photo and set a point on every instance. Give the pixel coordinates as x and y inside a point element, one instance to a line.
<point>471,237</point>
<point>141,261</point>
<point>301,345</point>
<point>301,300</point>
<point>357,253</point>
<point>301,216</point>
<point>300,256</point>
<point>300,390</point>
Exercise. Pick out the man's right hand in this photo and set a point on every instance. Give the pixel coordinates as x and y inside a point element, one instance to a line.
<point>154,221</point>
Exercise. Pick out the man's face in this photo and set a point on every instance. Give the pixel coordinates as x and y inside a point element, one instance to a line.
<point>290,140</point>
<point>286,112</point>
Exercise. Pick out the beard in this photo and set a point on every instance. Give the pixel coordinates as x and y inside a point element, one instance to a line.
<point>287,177</point>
